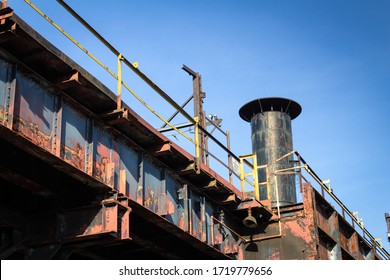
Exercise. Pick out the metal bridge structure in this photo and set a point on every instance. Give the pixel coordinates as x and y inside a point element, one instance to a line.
<point>83,176</point>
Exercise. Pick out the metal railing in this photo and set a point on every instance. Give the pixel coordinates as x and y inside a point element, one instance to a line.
<point>300,165</point>
<point>122,60</point>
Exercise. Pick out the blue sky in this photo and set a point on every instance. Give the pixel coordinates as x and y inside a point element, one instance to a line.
<point>332,57</point>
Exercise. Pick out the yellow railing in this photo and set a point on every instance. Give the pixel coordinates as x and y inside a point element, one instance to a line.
<point>121,59</point>
<point>134,67</point>
<point>299,165</point>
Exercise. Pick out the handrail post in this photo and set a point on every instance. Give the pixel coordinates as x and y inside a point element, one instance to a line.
<point>255,177</point>
<point>242,177</point>
<point>229,157</point>
<point>119,86</point>
<point>197,145</point>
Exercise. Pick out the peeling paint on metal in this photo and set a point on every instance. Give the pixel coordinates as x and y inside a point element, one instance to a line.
<point>34,112</point>
<point>73,137</point>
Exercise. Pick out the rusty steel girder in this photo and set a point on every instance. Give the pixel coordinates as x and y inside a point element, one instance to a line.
<point>109,219</point>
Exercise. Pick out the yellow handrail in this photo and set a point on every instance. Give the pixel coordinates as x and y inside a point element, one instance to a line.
<point>117,77</point>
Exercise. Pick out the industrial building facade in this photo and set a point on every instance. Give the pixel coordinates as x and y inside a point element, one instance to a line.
<point>84,178</point>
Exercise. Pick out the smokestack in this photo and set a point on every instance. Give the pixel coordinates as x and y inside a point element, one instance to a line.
<point>270,120</point>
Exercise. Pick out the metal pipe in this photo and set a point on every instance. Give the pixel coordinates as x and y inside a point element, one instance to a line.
<point>290,168</point>
<point>212,230</point>
<point>224,225</point>
<point>277,199</point>
<point>178,126</point>
<point>177,112</point>
<point>229,158</point>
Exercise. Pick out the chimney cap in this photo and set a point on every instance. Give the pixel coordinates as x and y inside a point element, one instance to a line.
<point>267,104</point>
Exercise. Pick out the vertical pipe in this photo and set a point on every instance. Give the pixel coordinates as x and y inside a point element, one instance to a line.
<point>187,219</point>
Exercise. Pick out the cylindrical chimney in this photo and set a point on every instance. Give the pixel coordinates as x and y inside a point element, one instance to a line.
<point>270,120</point>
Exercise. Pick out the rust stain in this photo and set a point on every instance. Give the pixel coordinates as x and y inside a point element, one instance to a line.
<point>303,231</point>
<point>139,195</point>
<point>300,228</point>
<point>31,131</point>
<point>74,155</point>
<point>2,114</point>
<point>230,246</point>
<point>181,222</point>
<point>274,256</point>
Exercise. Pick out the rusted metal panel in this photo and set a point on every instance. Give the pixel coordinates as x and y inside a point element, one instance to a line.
<point>111,218</point>
<point>115,160</point>
<point>3,88</point>
<point>34,112</point>
<point>365,252</point>
<point>9,108</point>
<point>74,138</point>
<point>348,240</point>
<point>334,230</point>
<point>197,216</point>
<point>210,227</point>
<point>153,191</point>
<point>127,171</point>
<point>177,212</point>
<point>103,164</point>
<point>299,239</point>
<point>323,213</point>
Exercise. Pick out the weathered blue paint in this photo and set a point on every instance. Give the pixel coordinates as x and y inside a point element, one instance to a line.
<point>34,111</point>
<point>210,212</point>
<point>152,186</point>
<point>103,164</point>
<point>197,215</point>
<point>74,139</point>
<point>129,162</point>
<point>3,88</point>
<point>176,210</point>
